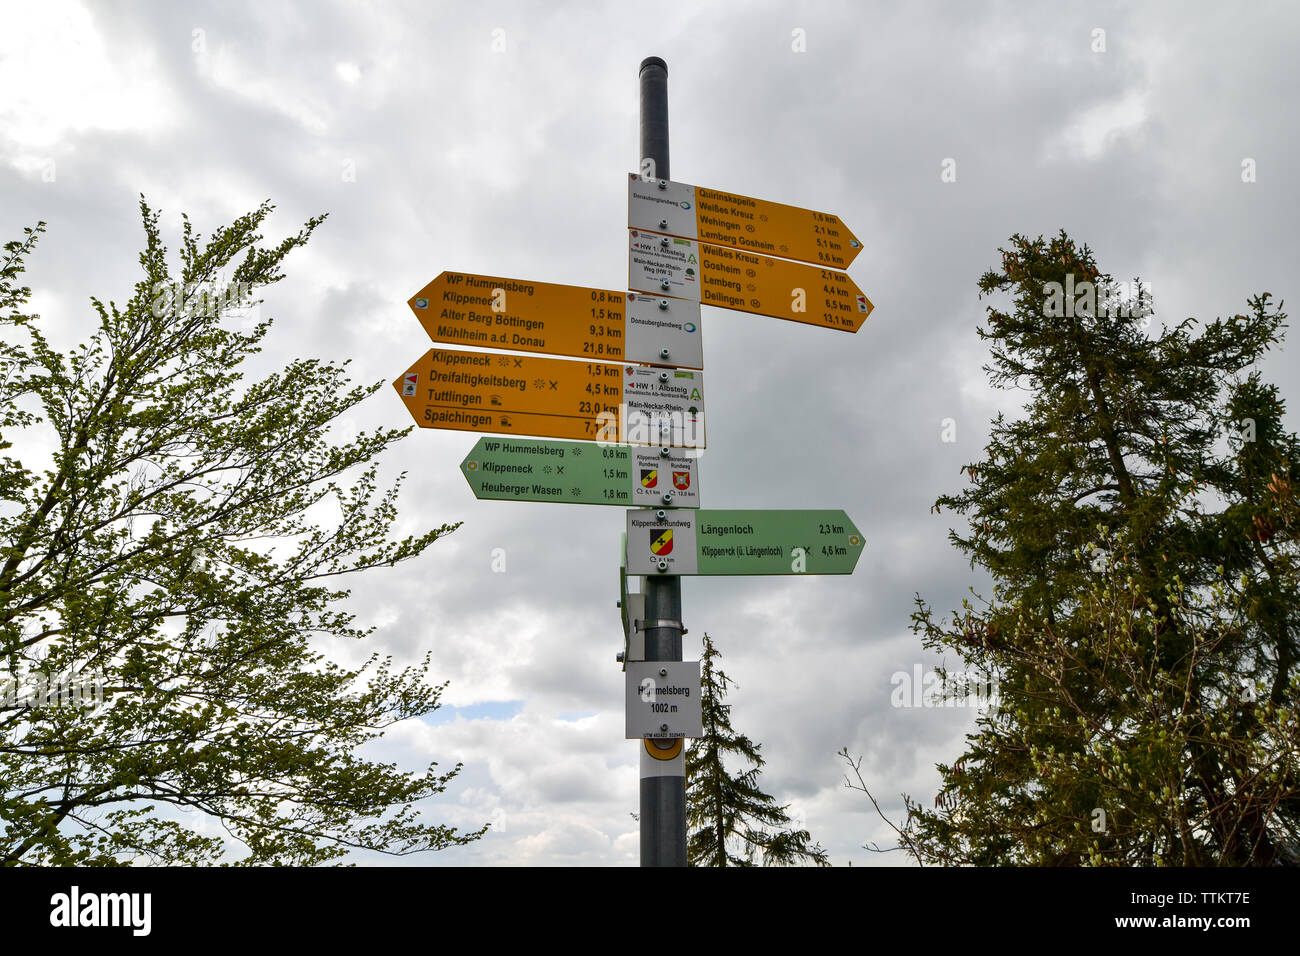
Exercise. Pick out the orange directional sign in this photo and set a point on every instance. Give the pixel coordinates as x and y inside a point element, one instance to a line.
<point>728,219</point>
<point>732,279</point>
<point>555,398</point>
<point>495,313</point>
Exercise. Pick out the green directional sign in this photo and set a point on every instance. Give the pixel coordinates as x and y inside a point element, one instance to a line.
<point>574,472</point>
<point>741,542</point>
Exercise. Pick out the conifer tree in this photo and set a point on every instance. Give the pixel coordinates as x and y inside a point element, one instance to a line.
<point>731,821</point>
<point>1139,524</point>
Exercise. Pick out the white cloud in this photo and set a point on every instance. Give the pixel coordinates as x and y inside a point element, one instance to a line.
<point>60,78</point>
<point>1094,131</point>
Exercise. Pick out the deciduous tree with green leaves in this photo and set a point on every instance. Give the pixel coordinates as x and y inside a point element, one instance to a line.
<point>731,821</point>
<point>176,553</point>
<point>1140,529</point>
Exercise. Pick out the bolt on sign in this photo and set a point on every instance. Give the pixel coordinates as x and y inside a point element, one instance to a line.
<point>737,542</point>
<point>555,398</point>
<point>728,219</point>
<point>512,469</point>
<point>747,282</point>
<point>491,312</point>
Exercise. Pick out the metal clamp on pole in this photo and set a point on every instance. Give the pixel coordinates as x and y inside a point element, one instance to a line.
<point>646,625</point>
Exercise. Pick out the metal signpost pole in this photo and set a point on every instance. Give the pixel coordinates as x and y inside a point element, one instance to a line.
<point>663,781</point>
<point>642,357</point>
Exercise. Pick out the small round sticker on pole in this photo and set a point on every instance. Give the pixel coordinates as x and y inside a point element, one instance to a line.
<point>661,752</point>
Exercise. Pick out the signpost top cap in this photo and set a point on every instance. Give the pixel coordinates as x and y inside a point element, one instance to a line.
<point>653,61</point>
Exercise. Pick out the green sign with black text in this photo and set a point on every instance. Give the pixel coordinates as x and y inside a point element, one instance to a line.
<point>573,472</point>
<point>741,542</point>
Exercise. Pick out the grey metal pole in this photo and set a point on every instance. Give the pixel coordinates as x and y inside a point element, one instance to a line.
<point>654,118</point>
<point>663,777</point>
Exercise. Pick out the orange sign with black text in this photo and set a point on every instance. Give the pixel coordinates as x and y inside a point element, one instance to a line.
<point>518,315</point>
<point>729,219</point>
<point>745,281</point>
<point>554,398</point>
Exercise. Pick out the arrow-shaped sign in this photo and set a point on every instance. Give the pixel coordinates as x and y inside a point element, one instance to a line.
<point>731,279</point>
<point>555,398</point>
<point>741,542</point>
<point>523,316</point>
<point>512,469</point>
<point>727,219</point>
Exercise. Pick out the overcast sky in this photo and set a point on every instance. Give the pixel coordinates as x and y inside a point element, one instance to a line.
<point>495,138</point>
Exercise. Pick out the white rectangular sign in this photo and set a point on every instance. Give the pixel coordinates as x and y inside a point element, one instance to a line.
<point>656,324</point>
<point>665,481</point>
<point>661,542</point>
<point>663,265</point>
<point>661,206</point>
<point>663,700</point>
<point>663,406</point>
